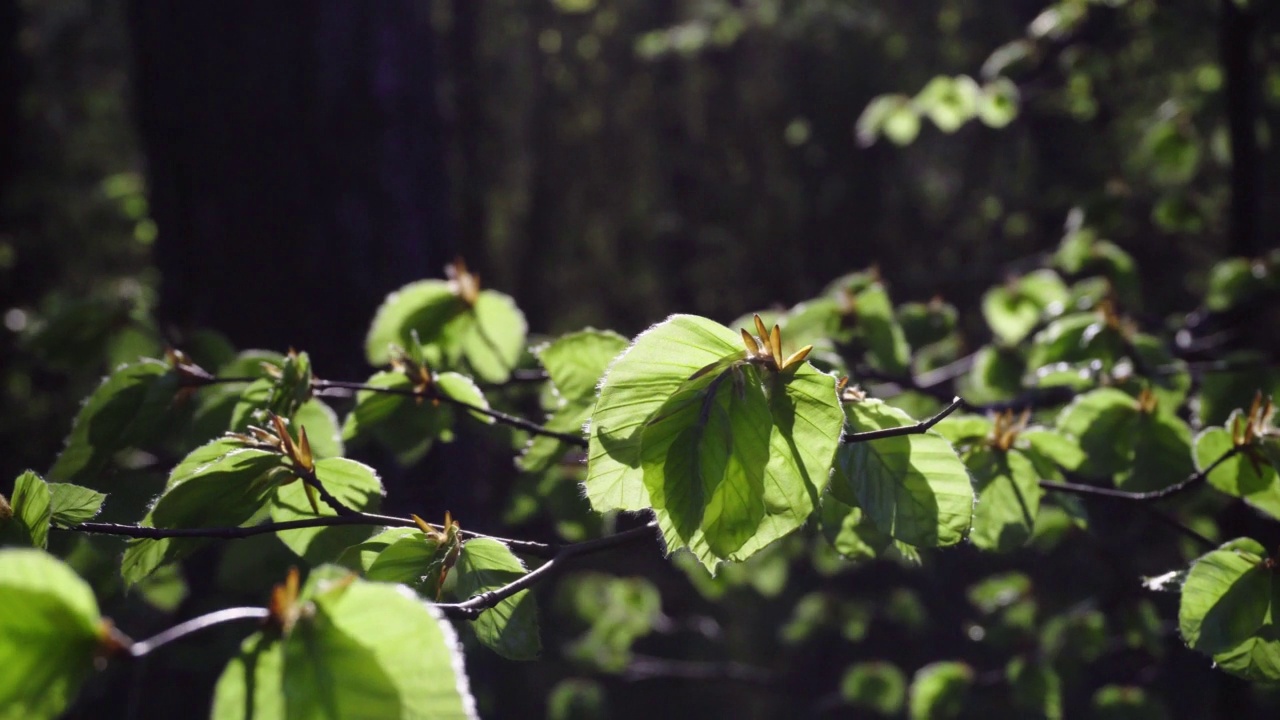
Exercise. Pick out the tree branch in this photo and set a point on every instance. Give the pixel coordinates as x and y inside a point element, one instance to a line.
<point>1114,494</point>
<point>436,394</point>
<point>471,608</point>
<point>920,427</point>
<point>181,630</point>
<point>524,547</point>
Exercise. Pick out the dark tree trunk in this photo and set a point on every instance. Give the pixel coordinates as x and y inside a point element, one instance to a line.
<point>1243,104</point>
<point>295,165</point>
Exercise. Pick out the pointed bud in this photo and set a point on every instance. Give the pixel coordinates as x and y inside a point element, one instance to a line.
<point>798,357</point>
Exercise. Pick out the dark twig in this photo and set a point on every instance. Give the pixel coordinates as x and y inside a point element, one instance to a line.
<point>1114,494</point>
<point>920,427</point>
<point>309,477</point>
<point>181,630</point>
<point>435,394</point>
<point>653,668</point>
<point>471,608</point>
<point>524,547</point>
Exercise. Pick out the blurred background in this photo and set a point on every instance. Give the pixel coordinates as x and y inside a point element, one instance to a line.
<point>270,170</point>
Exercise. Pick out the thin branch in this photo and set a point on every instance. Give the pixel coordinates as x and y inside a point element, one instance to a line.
<point>524,547</point>
<point>181,630</point>
<point>435,394</point>
<point>920,427</point>
<point>471,608</point>
<point>1114,494</point>
<point>1180,526</point>
<point>309,477</point>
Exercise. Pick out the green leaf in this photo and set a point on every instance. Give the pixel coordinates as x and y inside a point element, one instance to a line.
<point>1079,337</point>
<point>1037,689</point>
<point>367,651</point>
<point>413,560</point>
<point>1256,482</point>
<point>887,348</point>
<point>1228,608</point>
<point>638,382</point>
<point>354,484</point>
<point>497,336</point>
<point>877,686</point>
<point>228,491</point>
<point>891,116</point>
<point>850,532</point>
<point>1119,702</point>
<point>283,393</point>
<point>1009,493</point>
<point>1143,451</point>
<point>509,628</point>
<point>49,634</point>
<point>74,504</point>
<point>30,508</point>
<point>1063,450</point>
<point>361,557</point>
<point>939,690</point>
<point>704,455</point>
<point>914,487</point>
<point>998,102</point>
<point>127,409</point>
<point>406,426</point>
<point>617,612</point>
<point>1014,309</point>
<point>323,432</point>
<point>464,389</point>
<point>428,307</point>
<point>575,364</point>
<point>949,102</point>
<point>1235,281</point>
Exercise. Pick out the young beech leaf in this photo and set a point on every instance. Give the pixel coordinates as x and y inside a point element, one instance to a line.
<point>127,409</point>
<point>74,504</point>
<point>704,455</point>
<point>638,382</point>
<point>226,491</point>
<point>354,484</point>
<point>50,631</point>
<point>509,628</point>
<point>30,511</point>
<point>1008,488</point>
<point>361,651</point>
<point>914,487</point>
<point>1228,610</point>
<point>1239,476</point>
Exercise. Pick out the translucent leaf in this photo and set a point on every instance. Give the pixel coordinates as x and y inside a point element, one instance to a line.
<point>1120,702</point>
<point>576,362</point>
<point>949,102</point>
<point>1079,337</point>
<point>1239,476</point>
<point>1014,309</point>
<point>30,506</point>
<point>406,426</point>
<point>49,634</point>
<point>1008,488</point>
<point>850,532</point>
<point>225,492</point>
<point>283,394</point>
<point>496,338</point>
<point>354,484</point>
<point>509,628</point>
<point>323,431</point>
<point>127,409</point>
<point>1143,451</point>
<point>658,362</point>
<point>1229,602</point>
<point>883,111</point>
<point>428,307</point>
<point>886,344</point>
<point>464,389</point>
<point>617,612</point>
<point>998,102</point>
<point>877,686</point>
<point>913,487</point>
<point>368,651</point>
<point>74,504</point>
<point>704,454</point>
<point>362,556</point>
<point>939,690</point>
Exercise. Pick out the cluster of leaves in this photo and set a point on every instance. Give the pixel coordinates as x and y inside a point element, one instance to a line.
<point>733,440</point>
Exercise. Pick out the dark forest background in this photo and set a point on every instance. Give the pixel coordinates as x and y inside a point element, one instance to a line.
<point>268,171</point>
